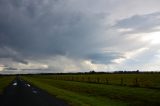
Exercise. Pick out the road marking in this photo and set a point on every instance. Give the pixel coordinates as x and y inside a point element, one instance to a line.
<point>15,84</point>
<point>28,85</point>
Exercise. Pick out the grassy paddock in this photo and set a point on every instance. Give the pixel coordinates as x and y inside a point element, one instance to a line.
<point>4,81</point>
<point>145,80</point>
<point>90,94</point>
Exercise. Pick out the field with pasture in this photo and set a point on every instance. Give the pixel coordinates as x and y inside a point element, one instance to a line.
<point>102,89</point>
<point>4,82</point>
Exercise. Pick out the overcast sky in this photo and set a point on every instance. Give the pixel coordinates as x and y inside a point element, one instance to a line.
<point>79,35</point>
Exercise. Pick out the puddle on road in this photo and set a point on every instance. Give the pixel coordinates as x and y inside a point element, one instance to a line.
<point>34,91</point>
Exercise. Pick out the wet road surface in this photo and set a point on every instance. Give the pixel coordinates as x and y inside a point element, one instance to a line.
<point>21,93</point>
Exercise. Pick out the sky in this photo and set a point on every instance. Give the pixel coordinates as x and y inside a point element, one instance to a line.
<point>79,35</point>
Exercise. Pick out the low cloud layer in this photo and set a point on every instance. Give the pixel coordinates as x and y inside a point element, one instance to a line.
<point>79,35</point>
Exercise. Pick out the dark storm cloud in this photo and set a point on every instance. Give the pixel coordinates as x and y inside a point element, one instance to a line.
<point>47,28</point>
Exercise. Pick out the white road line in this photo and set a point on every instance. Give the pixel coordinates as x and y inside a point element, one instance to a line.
<point>14,84</point>
<point>28,85</point>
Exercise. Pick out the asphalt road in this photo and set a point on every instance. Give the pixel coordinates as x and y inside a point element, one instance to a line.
<point>21,93</point>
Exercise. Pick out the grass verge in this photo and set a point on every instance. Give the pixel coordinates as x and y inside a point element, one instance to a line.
<point>85,94</point>
<point>4,82</point>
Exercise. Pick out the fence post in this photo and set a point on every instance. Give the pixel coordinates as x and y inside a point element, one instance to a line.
<point>97,80</point>
<point>82,79</point>
<point>121,81</point>
<point>107,82</point>
<point>136,82</point>
<point>88,79</point>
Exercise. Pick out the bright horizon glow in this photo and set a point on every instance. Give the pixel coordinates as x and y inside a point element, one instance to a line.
<point>1,68</point>
<point>153,37</point>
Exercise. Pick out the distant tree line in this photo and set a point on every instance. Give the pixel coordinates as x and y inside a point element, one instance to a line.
<point>90,72</point>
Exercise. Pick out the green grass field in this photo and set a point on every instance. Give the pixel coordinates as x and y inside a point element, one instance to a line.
<point>83,93</point>
<point>4,81</point>
<point>137,80</point>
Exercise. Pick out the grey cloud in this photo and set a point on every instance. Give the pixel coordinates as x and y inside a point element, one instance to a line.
<point>6,52</point>
<point>40,29</point>
<point>140,23</point>
<point>105,58</point>
<point>20,60</point>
